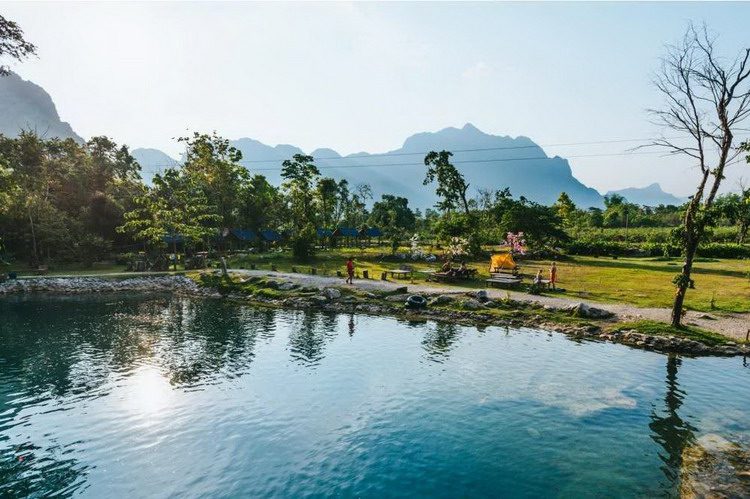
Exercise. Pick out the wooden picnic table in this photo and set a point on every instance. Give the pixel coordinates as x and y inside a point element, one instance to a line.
<point>452,276</point>
<point>402,273</point>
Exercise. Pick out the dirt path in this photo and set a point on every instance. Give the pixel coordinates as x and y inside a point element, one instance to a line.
<point>733,325</point>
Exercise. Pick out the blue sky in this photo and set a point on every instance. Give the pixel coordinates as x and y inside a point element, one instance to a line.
<point>364,76</point>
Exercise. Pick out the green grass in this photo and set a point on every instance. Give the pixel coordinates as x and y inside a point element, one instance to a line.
<point>654,328</point>
<point>720,285</point>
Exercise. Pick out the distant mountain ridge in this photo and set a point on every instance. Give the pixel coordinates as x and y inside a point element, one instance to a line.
<point>27,106</point>
<point>487,161</point>
<point>651,195</point>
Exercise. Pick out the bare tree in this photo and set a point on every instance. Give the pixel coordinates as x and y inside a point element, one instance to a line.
<point>12,43</point>
<point>707,98</point>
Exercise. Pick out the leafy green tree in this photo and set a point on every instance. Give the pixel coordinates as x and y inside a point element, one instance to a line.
<point>327,192</point>
<point>300,175</point>
<point>392,212</point>
<point>213,165</point>
<point>451,185</point>
<point>566,209</point>
<point>735,208</point>
<point>176,207</point>
<point>67,198</point>
<point>13,44</point>
<point>260,205</point>
<point>595,218</point>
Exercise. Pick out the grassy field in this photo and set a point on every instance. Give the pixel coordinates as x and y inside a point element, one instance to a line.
<point>645,282</point>
<point>720,285</point>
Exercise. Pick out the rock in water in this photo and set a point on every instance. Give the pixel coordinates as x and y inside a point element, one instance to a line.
<point>715,467</point>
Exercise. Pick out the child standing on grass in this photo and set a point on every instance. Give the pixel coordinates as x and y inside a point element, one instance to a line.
<point>350,271</point>
<point>553,275</point>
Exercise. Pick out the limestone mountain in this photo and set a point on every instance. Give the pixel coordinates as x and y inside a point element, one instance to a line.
<point>487,161</point>
<point>27,106</point>
<point>651,195</point>
<point>152,161</point>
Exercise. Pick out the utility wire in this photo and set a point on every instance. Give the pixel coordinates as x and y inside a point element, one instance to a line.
<point>422,153</point>
<point>497,160</point>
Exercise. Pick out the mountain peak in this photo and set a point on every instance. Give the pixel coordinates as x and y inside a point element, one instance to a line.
<point>25,105</point>
<point>650,195</point>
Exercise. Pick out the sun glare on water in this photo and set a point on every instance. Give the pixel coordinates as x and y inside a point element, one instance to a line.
<point>148,392</point>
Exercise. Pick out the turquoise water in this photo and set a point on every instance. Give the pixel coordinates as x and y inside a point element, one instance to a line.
<point>157,396</point>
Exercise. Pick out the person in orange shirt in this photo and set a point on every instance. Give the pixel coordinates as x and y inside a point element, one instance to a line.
<point>350,271</point>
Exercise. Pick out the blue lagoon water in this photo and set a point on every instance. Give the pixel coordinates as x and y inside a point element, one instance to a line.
<point>123,396</point>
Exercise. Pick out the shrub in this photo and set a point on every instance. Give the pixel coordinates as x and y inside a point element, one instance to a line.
<point>724,250</point>
<point>303,242</point>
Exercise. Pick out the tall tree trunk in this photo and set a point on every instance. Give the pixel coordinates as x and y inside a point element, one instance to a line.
<point>35,254</point>
<point>174,250</point>
<point>687,269</point>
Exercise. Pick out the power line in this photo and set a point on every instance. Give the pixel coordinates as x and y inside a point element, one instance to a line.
<point>422,153</point>
<point>481,149</point>
<point>389,154</point>
<point>497,160</point>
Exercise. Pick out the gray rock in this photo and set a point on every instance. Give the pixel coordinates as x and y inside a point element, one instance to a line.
<point>319,300</point>
<point>286,286</point>
<point>713,466</point>
<point>471,304</point>
<point>442,300</point>
<point>332,293</point>
<point>587,311</point>
<point>397,298</point>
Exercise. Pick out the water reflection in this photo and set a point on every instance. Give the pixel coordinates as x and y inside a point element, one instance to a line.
<point>440,339</point>
<point>309,335</point>
<point>23,466</point>
<point>668,429</point>
<point>192,342</point>
<point>119,394</point>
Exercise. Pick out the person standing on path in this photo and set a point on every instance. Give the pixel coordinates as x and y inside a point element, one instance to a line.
<point>350,271</point>
<point>553,275</point>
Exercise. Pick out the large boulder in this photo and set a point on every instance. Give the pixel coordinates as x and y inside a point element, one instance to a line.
<point>286,286</point>
<point>442,300</point>
<point>589,312</point>
<point>397,298</point>
<point>332,293</point>
<point>480,295</point>
<point>471,304</point>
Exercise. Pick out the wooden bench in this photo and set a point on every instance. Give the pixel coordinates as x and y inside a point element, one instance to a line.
<point>402,273</point>
<point>503,280</point>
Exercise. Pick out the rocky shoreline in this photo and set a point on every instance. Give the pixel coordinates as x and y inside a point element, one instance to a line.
<point>84,285</point>
<point>471,309</point>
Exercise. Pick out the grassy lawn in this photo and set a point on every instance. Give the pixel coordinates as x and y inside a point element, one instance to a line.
<point>645,282</point>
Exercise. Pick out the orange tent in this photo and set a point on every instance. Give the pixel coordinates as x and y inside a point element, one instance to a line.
<point>502,261</point>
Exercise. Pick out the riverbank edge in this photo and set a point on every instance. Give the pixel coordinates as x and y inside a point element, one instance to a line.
<point>466,309</point>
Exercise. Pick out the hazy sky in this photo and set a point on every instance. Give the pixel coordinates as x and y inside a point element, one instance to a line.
<point>364,76</point>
